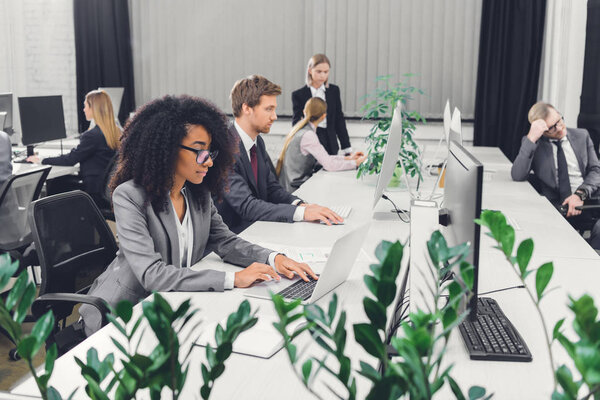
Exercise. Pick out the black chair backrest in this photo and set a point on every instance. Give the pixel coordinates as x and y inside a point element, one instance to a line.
<point>110,170</point>
<point>73,242</point>
<point>16,194</point>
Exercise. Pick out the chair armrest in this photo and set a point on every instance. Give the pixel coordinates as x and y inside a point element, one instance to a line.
<point>44,303</point>
<point>588,207</point>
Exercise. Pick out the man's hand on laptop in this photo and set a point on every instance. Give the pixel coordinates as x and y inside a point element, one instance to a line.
<point>286,267</point>
<point>315,212</point>
<point>254,272</point>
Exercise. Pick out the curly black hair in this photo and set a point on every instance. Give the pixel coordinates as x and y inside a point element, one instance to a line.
<point>150,146</point>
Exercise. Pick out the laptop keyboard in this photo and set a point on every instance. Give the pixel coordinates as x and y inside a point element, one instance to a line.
<point>300,289</point>
<point>491,336</point>
<point>342,211</point>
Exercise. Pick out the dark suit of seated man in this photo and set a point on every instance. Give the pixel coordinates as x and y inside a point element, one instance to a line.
<point>255,193</point>
<point>564,162</point>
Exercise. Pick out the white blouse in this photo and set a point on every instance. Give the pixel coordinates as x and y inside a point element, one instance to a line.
<point>185,233</point>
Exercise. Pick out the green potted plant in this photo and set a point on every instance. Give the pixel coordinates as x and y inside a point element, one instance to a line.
<point>379,108</point>
<point>585,350</point>
<point>165,367</point>
<point>411,363</point>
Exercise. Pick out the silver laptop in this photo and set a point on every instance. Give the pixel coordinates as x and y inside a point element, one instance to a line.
<point>337,269</point>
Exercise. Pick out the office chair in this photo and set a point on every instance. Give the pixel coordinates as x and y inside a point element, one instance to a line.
<point>104,201</point>
<point>74,245</point>
<point>590,214</point>
<point>591,208</point>
<point>16,194</point>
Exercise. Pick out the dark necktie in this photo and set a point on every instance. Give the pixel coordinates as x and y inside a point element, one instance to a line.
<point>564,186</point>
<point>254,163</point>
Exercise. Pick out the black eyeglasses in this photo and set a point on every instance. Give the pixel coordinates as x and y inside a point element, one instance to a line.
<point>202,155</point>
<point>554,127</point>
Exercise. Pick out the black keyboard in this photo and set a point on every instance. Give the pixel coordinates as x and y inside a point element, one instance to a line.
<point>300,289</point>
<point>492,336</point>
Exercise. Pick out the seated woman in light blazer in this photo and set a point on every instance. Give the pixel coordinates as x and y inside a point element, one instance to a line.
<point>96,148</point>
<point>302,150</point>
<point>175,152</point>
<point>333,127</point>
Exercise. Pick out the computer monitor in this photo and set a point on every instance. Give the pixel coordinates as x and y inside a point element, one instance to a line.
<point>6,105</point>
<point>116,96</point>
<point>447,121</point>
<point>42,120</point>
<point>455,128</point>
<point>390,156</point>
<point>462,200</point>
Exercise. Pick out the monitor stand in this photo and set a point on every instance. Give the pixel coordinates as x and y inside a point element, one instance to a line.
<point>424,220</point>
<point>30,151</point>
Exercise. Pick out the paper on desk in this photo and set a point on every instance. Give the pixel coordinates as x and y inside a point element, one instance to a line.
<point>310,254</point>
<point>262,340</point>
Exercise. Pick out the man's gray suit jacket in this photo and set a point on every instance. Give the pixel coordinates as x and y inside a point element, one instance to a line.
<point>248,201</point>
<point>539,158</point>
<point>148,257</point>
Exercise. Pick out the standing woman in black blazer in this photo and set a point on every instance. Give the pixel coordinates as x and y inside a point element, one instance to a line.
<point>96,148</point>
<point>317,85</point>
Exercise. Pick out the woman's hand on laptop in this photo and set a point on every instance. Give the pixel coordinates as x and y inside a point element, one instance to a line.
<point>254,272</point>
<point>286,267</point>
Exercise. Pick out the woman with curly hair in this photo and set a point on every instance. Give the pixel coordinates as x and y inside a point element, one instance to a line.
<point>175,153</point>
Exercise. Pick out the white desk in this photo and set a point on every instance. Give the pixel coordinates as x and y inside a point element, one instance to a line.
<point>576,272</point>
<point>49,149</point>
<point>55,172</point>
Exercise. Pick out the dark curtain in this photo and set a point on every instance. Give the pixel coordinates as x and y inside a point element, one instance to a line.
<point>589,111</point>
<point>510,51</point>
<point>103,52</point>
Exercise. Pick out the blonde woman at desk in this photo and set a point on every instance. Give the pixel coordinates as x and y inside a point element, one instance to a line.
<point>96,148</point>
<point>302,150</point>
<point>333,127</point>
<point>176,152</point>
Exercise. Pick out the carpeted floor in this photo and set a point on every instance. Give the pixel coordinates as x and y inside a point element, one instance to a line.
<point>12,372</point>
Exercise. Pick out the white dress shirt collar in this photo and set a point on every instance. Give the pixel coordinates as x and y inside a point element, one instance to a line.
<point>318,91</point>
<point>247,141</point>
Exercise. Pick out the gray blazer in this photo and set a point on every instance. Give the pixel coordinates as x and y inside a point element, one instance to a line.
<point>148,258</point>
<point>539,158</point>
<point>297,167</point>
<point>5,157</point>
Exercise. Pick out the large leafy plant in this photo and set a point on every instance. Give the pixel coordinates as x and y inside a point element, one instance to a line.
<point>416,369</point>
<point>585,352</point>
<point>12,315</point>
<point>166,366</point>
<point>379,108</point>
<point>161,368</point>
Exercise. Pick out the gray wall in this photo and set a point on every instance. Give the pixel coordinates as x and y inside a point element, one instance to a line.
<point>203,47</point>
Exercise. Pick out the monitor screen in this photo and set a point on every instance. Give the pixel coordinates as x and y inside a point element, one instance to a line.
<point>116,95</point>
<point>455,136</point>
<point>462,199</point>
<point>6,105</point>
<point>391,153</point>
<point>42,119</point>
